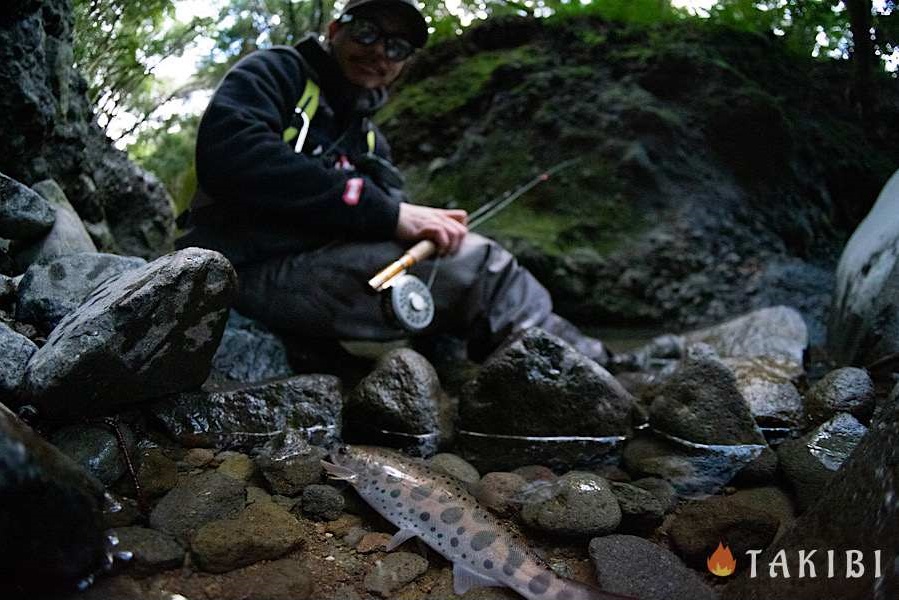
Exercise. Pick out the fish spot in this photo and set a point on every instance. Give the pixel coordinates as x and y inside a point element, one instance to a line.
<point>395,493</point>
<point>444,498</point>
<point>420,492</point>
<point>452,515</point>
<point>488,564</point>
<point>454,542</point>
<point>482,539</point>
<point>460,531</point>
<point>514,560</point>
<point>480,517</point>
<point>539,584</point>
<point>411,511</point>
<point>433,529</point>
<point>425,516</point>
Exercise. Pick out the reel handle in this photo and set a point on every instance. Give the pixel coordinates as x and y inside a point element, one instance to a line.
<point>416,253</point>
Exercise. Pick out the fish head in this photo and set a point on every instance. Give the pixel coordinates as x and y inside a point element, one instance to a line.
<point>347,462</point>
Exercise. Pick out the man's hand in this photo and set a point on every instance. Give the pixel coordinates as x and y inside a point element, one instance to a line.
<point>446,228</point>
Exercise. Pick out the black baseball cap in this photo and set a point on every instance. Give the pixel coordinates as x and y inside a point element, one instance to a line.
<point>418,33</point>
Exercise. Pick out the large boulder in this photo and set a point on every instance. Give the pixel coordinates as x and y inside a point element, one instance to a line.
<point>51,289</point>
<point>250,353</point>
<point>24,214</point>
<point>51,523</point>
<point>864,319</point>
<point>775,332</point>
<point>858,510</point>
<point>50,132</point>
<point>144,334</point>
<point>249,416</point>
<point>538,401</point>
<point>15,351</point>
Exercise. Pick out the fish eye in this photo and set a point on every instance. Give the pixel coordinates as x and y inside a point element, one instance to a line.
<point>342,450</point>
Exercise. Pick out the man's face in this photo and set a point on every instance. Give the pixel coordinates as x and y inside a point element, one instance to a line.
<point>367,66</point>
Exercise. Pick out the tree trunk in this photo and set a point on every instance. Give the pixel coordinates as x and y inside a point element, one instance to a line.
<point>862,56</point>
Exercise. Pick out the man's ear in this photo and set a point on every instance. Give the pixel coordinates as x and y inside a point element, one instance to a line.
<point>333,27</point>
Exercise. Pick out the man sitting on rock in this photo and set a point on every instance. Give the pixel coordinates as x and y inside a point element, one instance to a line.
<point>297,189</point>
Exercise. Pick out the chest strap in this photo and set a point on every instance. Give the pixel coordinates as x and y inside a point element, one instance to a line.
<point>305,110</point>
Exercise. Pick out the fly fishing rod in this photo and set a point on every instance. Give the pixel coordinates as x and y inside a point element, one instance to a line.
<point>407,300</point>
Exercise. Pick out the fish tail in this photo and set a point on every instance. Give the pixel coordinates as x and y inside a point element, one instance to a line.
<point>338,472</point>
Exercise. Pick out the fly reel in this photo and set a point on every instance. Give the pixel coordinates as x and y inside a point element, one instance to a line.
<point>408,302</point>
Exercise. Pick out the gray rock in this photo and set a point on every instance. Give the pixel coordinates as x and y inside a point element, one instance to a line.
<point>96,449</point>
<point>51,527</point>
<point>52,289</point>
<point>858,509</point>
<point>393,572</point>
<point>584,505</point>
<point>847,390</point>
<point>289,463</point>
<point>530,389</point>
<point>250,416</point>
<point>238,466</point>
<point>864,320</point>
<point>153,551</point>
<point>24,214</point>
<point>700,526</point>
<point>770,500</point>
<point>767,385</point>
<point>661,489</point>
<point>810,462</point>
<point>322,502</point>
<point>402,394</point>
<point>701,403</point>
<point>693,470</point>
<point>8,285</point>
<point>776,332</point>
<point>283,579</point>
<point>15,351</point>
<point>262,531</point>
<point>638,568</point>
<point>641,511</point>
<point>67,236</point>
<point>455,466</point>
<point>250,353</point>
<point>196,501</point>
<point>143,334</point>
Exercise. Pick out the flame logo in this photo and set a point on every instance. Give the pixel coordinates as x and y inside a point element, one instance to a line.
<point>722,562</point>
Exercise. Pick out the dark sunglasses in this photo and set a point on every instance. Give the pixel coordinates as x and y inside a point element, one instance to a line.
<point>366,32</point>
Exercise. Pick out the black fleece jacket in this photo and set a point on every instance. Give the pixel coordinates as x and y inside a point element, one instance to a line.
<point>267,199</point>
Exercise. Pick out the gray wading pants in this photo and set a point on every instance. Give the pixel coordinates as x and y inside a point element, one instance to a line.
<point>481,293</point>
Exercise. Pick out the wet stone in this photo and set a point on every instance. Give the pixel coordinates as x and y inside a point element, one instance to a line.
<point>289,463</point>
<point>641,510</point>
<point>847,390</point>
<point>96,449</point>
<point>455,466</point>
<point>700,525</point>
<point>157,473</point>
<point>584,505</point>
<point>249,416</point>
<point>262,531</point>
<point>767,385</point>
<point>702,403</point>
<point>282,579</point>
<point>393,572</point>
<point>637,568</point>
<point>24,213</point>
<point>52,289</point>
<point>238,466</point>
<point>250,353</point>
<point>153,551</point>
<point>143,334</point>
<point>372,542</point>
<point>809,462</point>
<point>15,350</point>
<point>501,492</point>
<point>536,473</point>
<point>195,501</point>
<point>322,502</point>
<point>199,457</point>
<point>67,235</point>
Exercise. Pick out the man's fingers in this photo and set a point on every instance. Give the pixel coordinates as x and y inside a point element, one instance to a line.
<point>457,215</point>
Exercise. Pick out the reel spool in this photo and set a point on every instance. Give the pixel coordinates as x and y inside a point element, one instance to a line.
<point>408,303</point>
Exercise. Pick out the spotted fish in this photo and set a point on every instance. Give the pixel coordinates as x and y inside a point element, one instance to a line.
<point>438,510</point>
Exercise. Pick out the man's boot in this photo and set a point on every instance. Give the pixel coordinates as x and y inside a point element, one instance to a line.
<point>586,345</point>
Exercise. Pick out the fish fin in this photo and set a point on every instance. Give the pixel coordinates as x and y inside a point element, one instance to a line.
<point>399,538</point>
<point>338,472</point>
<point>536,492</point>
<point>464,579</point>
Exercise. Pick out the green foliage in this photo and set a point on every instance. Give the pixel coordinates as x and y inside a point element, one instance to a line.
<point>169,153</point>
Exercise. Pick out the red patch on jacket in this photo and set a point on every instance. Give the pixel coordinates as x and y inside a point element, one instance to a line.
<point>352,192</point>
